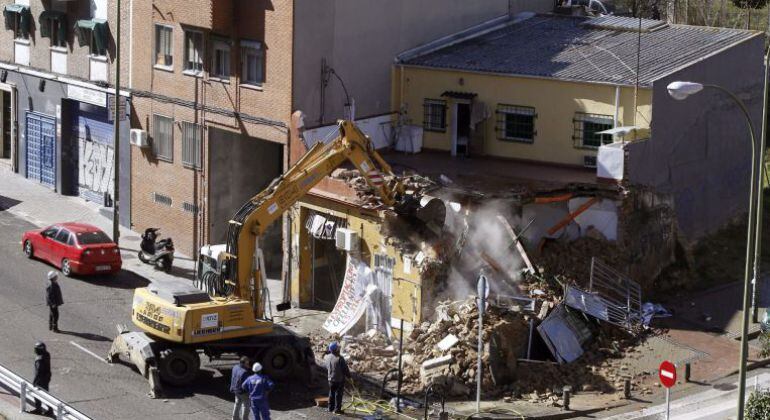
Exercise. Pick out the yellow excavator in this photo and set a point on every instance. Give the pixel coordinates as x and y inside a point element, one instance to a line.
<point>178,321</point>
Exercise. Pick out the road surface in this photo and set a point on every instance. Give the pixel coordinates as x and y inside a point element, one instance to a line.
<point>93,306</point>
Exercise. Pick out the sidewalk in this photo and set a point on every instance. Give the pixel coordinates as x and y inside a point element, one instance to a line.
<point>42,206</point>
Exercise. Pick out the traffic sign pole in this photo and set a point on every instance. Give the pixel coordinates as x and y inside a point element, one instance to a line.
<point>668,403</point>
<point>667,376</point>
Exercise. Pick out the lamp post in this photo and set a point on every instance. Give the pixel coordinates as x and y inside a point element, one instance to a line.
<point>116,170</point>
<point>680,91</point>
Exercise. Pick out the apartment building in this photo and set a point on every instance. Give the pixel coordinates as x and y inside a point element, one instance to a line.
<point>55,97</point>
<point>215,82</point>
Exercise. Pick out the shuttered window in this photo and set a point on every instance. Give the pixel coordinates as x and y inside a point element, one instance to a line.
<point>163,137</point>
<point>192,138</point>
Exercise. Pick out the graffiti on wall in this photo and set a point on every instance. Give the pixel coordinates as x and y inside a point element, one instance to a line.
<point>95,166</point>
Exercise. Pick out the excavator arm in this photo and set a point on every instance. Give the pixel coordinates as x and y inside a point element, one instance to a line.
<point>243,268</point>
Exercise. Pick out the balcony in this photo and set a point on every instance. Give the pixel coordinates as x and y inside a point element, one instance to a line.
<point>59,60</point>
<point>99,69</point>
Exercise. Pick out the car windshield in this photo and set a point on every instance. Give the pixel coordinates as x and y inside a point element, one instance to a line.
<point>91,238</point>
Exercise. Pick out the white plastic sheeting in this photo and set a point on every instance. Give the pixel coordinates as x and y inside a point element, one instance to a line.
<point>377,128</point>
<point>610,161</point>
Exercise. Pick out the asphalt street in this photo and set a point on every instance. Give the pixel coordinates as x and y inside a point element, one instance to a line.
<point>81,376</point>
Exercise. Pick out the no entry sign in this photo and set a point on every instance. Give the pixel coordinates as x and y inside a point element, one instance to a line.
<point>667,374</point>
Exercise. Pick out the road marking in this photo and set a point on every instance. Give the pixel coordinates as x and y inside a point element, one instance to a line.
<point>89,352</point>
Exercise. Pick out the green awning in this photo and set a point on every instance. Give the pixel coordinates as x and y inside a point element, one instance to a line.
<point>10,11</point>
<point>45,23</point>
<point>95,29</point>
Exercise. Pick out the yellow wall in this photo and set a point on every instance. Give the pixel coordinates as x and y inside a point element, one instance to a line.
<point>555,103</point>
<point>406,290</point>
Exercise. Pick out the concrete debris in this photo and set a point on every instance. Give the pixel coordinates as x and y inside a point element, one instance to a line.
<point>447,342</point>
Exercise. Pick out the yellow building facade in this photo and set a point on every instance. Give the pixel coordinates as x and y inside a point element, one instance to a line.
<point>559,109</point>
<point>406,288</point>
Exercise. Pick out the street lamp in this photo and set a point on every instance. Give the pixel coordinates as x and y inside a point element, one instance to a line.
<point>680,91</point>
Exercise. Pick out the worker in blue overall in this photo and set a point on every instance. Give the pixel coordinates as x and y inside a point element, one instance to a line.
<point>257,386</point>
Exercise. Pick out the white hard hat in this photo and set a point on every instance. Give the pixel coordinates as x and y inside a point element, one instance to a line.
<point>257,367</point>
<point>52,275</point>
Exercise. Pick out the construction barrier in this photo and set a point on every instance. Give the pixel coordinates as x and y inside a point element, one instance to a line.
<point>28,394</point>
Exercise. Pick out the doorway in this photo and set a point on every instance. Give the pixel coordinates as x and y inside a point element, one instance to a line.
<point>6,127</point>
<point>461,130</point>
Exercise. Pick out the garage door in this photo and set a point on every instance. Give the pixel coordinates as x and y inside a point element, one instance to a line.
<point>41,148</point>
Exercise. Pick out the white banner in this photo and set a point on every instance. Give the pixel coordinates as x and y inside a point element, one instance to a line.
<point>352,301</point>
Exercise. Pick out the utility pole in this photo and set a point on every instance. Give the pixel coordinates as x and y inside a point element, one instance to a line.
<point>116,164</point>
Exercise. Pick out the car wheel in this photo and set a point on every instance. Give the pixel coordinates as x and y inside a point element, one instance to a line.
<point>66,269</point>
<point>28,251</point>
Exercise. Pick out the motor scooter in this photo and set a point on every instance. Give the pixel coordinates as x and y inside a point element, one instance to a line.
<point>159,253</point>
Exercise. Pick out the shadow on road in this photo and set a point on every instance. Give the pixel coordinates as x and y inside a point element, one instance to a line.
<point>7,202</point>
<point>123,280</point>
<point>86,336</point>
<point>287,395</point>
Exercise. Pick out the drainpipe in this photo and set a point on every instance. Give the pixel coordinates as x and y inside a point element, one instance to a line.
<point>131,44</point>
<point>617,106</point>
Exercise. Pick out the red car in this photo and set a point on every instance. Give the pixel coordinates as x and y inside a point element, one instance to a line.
<point>76,248</point>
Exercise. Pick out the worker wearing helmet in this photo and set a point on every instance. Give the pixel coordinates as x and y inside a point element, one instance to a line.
<point>42,371</point>
<point>257,386</point>
<point>338,371</point>
<point>53,299</point>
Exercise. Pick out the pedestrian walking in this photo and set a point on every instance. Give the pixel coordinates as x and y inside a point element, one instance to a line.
<point>53,299</point>
<point>338,371</point>
<point>241,372</point>
<point>257,386</point>
<point>42,371</point>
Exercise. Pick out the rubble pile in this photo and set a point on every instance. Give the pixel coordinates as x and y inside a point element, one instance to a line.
<point>445,351</point>
<point>352,177</point>
<point>571,261</point>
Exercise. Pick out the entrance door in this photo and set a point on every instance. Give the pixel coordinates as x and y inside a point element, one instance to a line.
<point>461,137</point>
<point>5,125</point>
<point>41,149</point>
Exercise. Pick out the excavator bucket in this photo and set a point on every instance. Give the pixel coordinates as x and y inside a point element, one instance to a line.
<point>137,349</point>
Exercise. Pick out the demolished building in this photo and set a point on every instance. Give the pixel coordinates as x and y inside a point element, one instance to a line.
<point>541,164</point>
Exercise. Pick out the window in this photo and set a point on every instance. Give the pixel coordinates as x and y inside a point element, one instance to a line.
<point>587,127</point>
<point>164,46</point>
<point>93,33</point>
<point>516,123</point>
<point>17,19</point>
<point>220,60</point>
<point>53,24</point>
<point>92,238</point>
<point>189,208</point>
<point>161,199</point>
<point>50,232</point>
<point>252,58</point>
<point>193,54</point>
<point>163,138</point>
<point>435,115</point>
<point>63,236</point>
<point>192,137</point>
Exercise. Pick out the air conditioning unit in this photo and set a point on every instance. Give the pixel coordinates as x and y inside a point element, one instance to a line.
<point>589,161</point>
<point>138,137</point>
<point>347,239</point>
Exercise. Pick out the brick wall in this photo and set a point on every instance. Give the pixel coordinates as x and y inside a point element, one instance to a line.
<point>272,102</point>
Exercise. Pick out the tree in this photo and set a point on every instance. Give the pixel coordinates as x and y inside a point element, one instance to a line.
<point>758,406</point>
<point>748,5</point>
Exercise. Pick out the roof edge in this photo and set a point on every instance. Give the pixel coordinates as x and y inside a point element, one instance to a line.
<point>463,35</point>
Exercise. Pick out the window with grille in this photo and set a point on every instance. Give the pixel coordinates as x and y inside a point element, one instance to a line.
<point>189,208</point>
<point>516,123</point>
<point>252,59</point>
<point>164,50</point>
<point>587,127</point>
<point>163,137</point>
<point>193,55</point>
<point>192,138</point>
<point>435,115</point>
<point>161,199</point>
